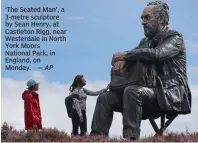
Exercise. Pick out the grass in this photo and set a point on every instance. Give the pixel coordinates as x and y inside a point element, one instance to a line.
<point>10,134</point>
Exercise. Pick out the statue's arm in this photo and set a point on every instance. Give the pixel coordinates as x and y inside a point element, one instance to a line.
<point>166,50</point>
<point>121,55</point>
<point>94,93</point>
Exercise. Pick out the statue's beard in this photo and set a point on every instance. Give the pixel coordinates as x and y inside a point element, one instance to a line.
<point>151,29</point>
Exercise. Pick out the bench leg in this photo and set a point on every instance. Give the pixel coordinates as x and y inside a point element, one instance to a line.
<point>162,121</point>
<point>159,132</point>
<point>154,125</point>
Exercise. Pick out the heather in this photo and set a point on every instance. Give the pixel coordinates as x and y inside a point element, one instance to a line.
<point>10,134</point>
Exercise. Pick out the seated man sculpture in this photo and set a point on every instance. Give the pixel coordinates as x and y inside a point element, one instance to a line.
<point>163,49</point>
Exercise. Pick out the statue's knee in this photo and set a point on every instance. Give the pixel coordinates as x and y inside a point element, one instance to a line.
<point>132,91</point>
<point>101,97</point>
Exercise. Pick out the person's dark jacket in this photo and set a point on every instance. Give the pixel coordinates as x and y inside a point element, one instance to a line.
<point>167,53</point>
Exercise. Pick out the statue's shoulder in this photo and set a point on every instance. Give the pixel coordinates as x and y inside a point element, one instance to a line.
<point>174,36</point>
<point>172,32</point>
<point>143,40</point>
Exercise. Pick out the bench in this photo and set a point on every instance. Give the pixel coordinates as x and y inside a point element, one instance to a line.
<point>164,125</point>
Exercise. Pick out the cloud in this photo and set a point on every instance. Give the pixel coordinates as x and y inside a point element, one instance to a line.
<point>191,46</point>
<point>192,72</point>
<point>81,18</point>
<point>195,35</point>
<point>53,110</point>
<point>76,18</point>
<point>193,69</point>
<point>192,43</point>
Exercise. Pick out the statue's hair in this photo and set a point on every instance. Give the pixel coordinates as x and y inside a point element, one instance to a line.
<point>161,10</point>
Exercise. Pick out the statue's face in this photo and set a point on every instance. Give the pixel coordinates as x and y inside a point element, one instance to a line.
<point>149,22</point>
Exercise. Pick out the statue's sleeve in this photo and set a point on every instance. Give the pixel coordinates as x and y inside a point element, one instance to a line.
<point>168,49</point>
<point>94,93</point>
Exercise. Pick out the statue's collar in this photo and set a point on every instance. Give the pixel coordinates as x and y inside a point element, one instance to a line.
<point>158,37</point>
<point>161,34</point>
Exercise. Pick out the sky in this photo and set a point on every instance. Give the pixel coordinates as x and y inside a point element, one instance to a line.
<point>95,31</point>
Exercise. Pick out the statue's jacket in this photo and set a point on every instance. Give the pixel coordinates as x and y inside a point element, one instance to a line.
<point>166,52</point>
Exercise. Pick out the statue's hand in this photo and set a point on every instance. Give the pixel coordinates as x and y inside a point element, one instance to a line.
<point>119,67</point>
<point>117,57</point>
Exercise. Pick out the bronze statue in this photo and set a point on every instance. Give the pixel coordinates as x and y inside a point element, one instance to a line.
<point>163,88</point>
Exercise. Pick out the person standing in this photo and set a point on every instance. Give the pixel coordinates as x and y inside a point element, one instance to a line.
<point>32,111</point>
<point>79,117</point>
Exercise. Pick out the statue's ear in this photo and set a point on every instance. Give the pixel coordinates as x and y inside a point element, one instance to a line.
<point>161,20</point>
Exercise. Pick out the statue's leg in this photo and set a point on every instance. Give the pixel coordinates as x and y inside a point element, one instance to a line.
<point>133,105</point>
<point>103,114</point>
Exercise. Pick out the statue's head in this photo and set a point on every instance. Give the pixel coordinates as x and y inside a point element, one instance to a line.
<point>155,17</point>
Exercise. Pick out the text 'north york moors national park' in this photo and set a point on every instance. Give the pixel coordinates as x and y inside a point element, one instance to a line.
<point>28,33</point>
